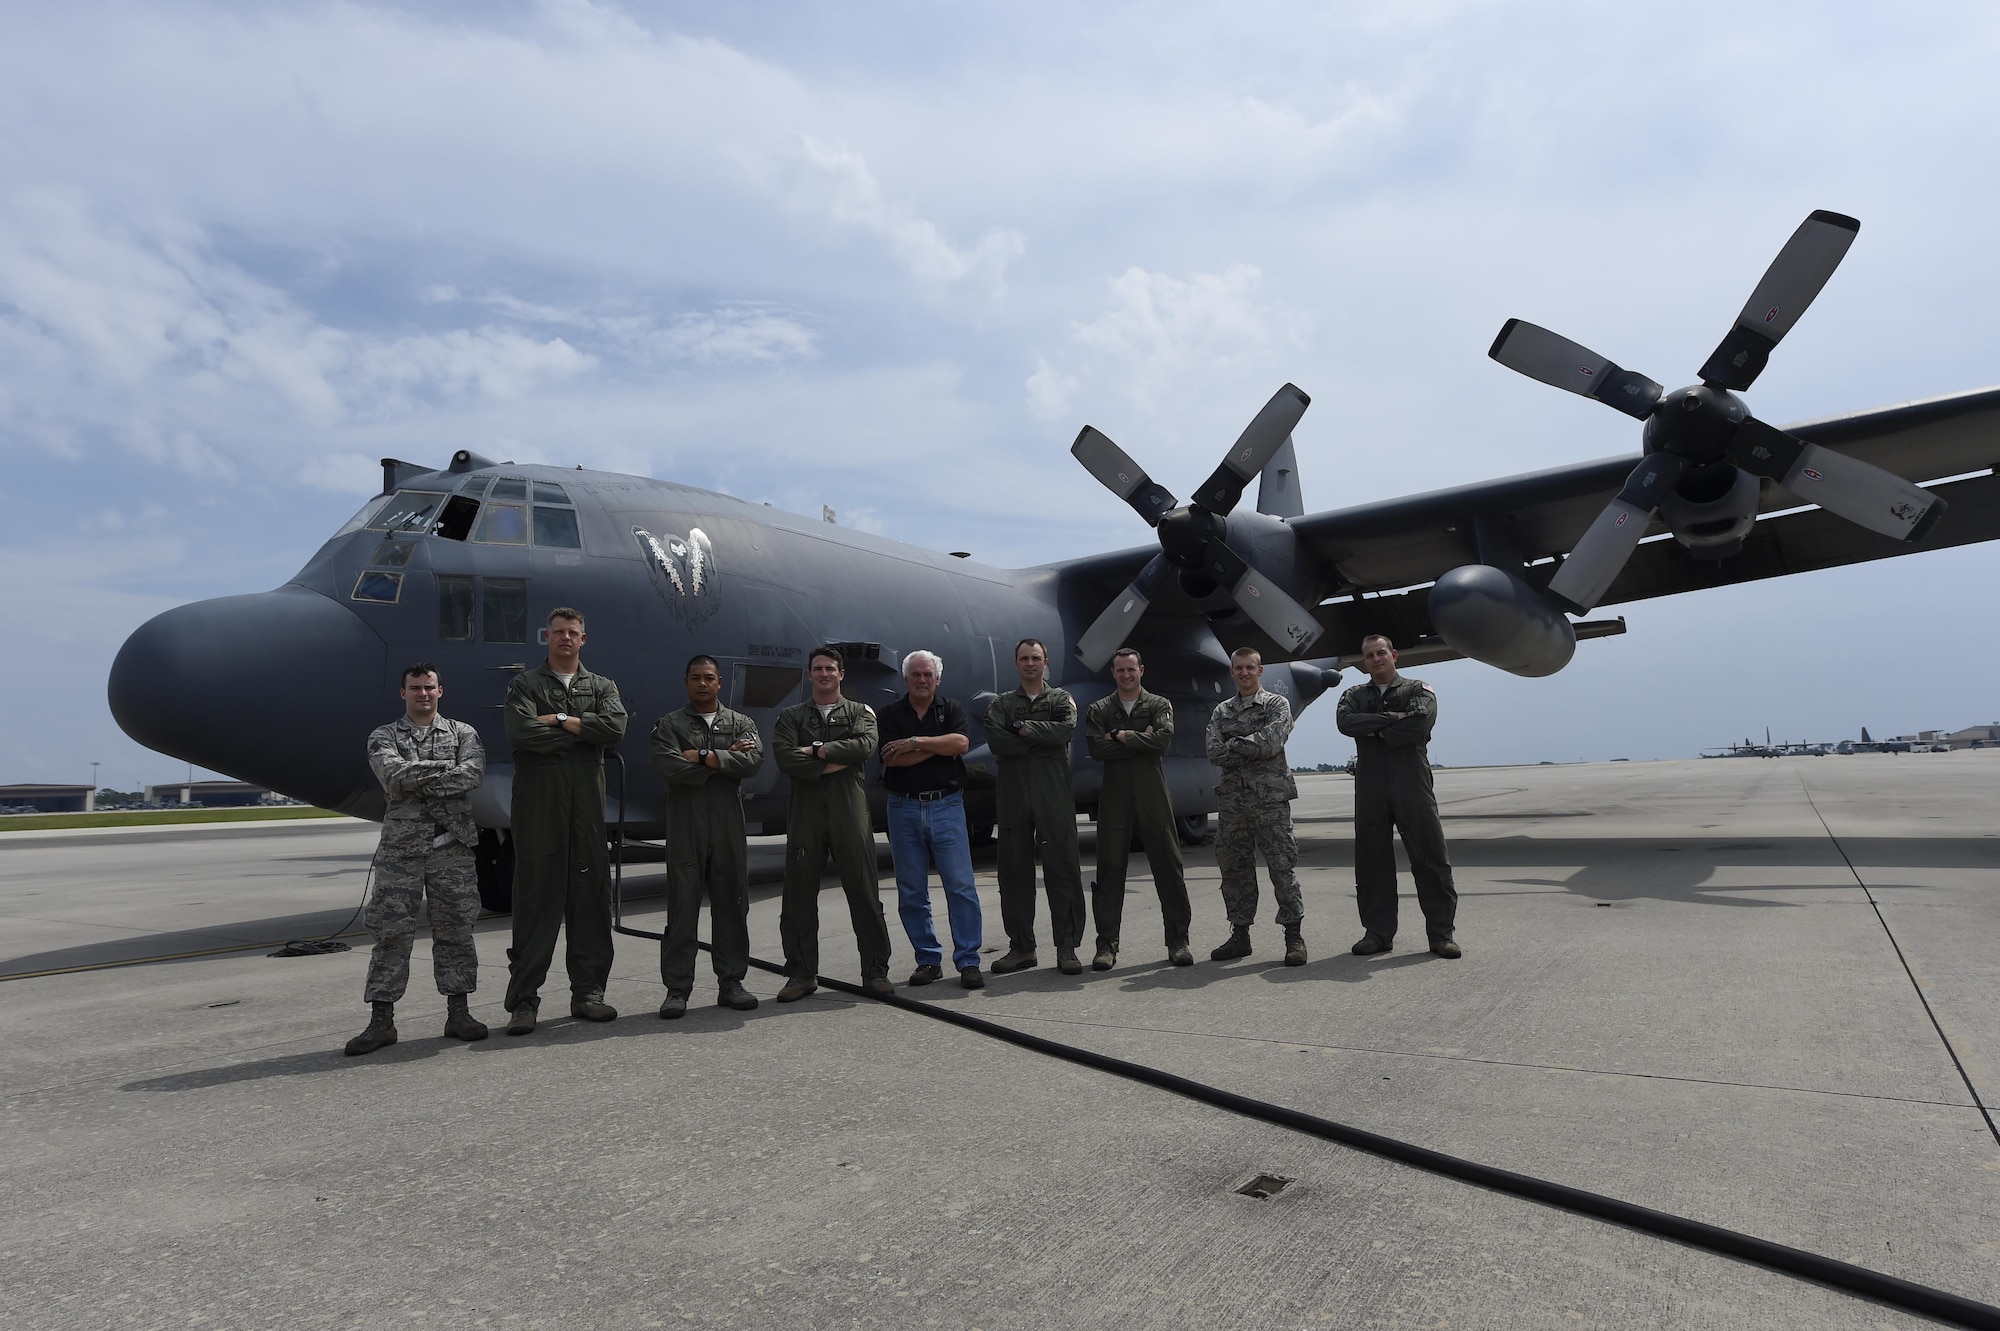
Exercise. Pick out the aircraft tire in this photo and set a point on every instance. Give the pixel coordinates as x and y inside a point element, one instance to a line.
<point>494,859</point>
<point>1193,829</point>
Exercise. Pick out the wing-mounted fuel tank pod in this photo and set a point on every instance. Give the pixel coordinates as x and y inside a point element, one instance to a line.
<point>1311,679</point>
<point>1488,612</point>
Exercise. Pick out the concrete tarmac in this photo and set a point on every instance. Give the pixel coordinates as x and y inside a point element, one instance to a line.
<point>1758,993</point>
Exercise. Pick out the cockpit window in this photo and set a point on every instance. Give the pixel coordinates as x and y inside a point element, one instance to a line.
<point>546,493</point>
<point>557,527</point>
<point>474,484</point>
<point>392,554</point>
<point>384,588</point>
<point>502,524</point>
<point>408,511</point>
<point>361,519</point>
<point>510,487</point>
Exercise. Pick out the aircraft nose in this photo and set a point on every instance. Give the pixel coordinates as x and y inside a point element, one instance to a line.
<point>279,688</point>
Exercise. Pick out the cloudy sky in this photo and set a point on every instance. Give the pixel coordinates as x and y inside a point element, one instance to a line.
<point>883,257</point>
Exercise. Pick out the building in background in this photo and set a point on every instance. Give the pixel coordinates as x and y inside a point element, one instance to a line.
<point>207,794</point>
<point>47,799</point>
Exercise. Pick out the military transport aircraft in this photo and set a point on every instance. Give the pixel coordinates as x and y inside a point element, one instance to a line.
<point>461,565</point>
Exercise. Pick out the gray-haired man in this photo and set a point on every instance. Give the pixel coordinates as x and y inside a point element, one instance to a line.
<point>924,738</point>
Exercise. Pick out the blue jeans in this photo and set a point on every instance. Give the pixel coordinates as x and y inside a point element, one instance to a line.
<point>923,833</point>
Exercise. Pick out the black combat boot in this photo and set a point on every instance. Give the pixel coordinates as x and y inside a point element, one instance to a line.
<point>1106,958</point>
<point>381,1032</point>
<point>1237,946</point>
<point>1295,946</point>
<point>459,1023</point>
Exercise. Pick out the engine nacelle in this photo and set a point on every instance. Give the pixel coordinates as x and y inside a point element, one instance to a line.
<point>1491,615</point>
<point>1712,510</point>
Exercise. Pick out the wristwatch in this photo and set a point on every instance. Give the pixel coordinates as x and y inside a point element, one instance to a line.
<point>701,755</point>
<point>561,717</point>
<point>817,746</point>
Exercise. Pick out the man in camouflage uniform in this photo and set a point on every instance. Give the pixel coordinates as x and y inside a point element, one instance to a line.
<point>823,745</point>
<point>427,764</point>
<point>1130,732</point>
<point>705,752</point>
<point>560,718</point>
<point>1390,719</point>
<point>1246,739</point>
<point>1028,730</point>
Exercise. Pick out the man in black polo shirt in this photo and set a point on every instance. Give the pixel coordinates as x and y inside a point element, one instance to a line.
<point>924,739</point>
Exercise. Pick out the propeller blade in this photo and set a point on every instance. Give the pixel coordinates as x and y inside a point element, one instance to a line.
<point>1259,442</point>
<point>1267,604</point>
<point>1111,629</point>
<point>1118,473</point>
<point>1859,491</point>
<point>1601,552</point>
<point>1789,285</point>
<point>1555,360</point>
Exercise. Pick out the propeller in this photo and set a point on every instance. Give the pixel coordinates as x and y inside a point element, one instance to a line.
<point>1706,429</point>
<point>1194,536</point>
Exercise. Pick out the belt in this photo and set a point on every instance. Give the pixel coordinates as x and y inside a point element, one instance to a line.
<point>927,795</point>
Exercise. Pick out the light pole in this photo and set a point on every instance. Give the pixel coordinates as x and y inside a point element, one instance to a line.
<point>90,800</point>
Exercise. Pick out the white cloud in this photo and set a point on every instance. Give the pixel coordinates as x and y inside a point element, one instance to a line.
<point>737,334</point>
<point>148,338</point>
<point>1158,335</point>
<point>835,183</point>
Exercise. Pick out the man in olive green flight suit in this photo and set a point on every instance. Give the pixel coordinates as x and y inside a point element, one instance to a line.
<point>560,718</point>
<point>823,745</point>
<point>1390,719</point>
<point>705,752</point>
<point>1028,730</point>
<point>1130,732</point>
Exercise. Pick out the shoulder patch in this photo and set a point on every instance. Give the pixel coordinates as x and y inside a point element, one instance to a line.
<point>1426,688</point>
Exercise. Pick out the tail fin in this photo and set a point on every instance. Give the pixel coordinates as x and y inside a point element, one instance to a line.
<point>1865,737</point>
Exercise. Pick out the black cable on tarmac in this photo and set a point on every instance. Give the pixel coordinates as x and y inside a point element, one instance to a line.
<point>1907,1295</point>
<point>325,943</point>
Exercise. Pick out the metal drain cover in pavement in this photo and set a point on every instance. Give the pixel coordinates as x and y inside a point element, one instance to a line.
<point>1264,1185</point>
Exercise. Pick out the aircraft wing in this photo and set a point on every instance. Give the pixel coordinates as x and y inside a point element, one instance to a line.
<point>1377,560</point>
<point>1403,543</point>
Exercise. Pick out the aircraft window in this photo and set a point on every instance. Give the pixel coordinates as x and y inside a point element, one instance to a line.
<point>392,553</point>
<point>764,685</point>
<point>549,494</point>
<point>455,523</point>
<point>513,487</point>
<point>455,607</point>
<point>503,524</point>
<point>385,588</point>
<point>505,602</point>
<point>361,519</point>
<point>410,510</point>
<point>474,485</point>
<point>557,527</point>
